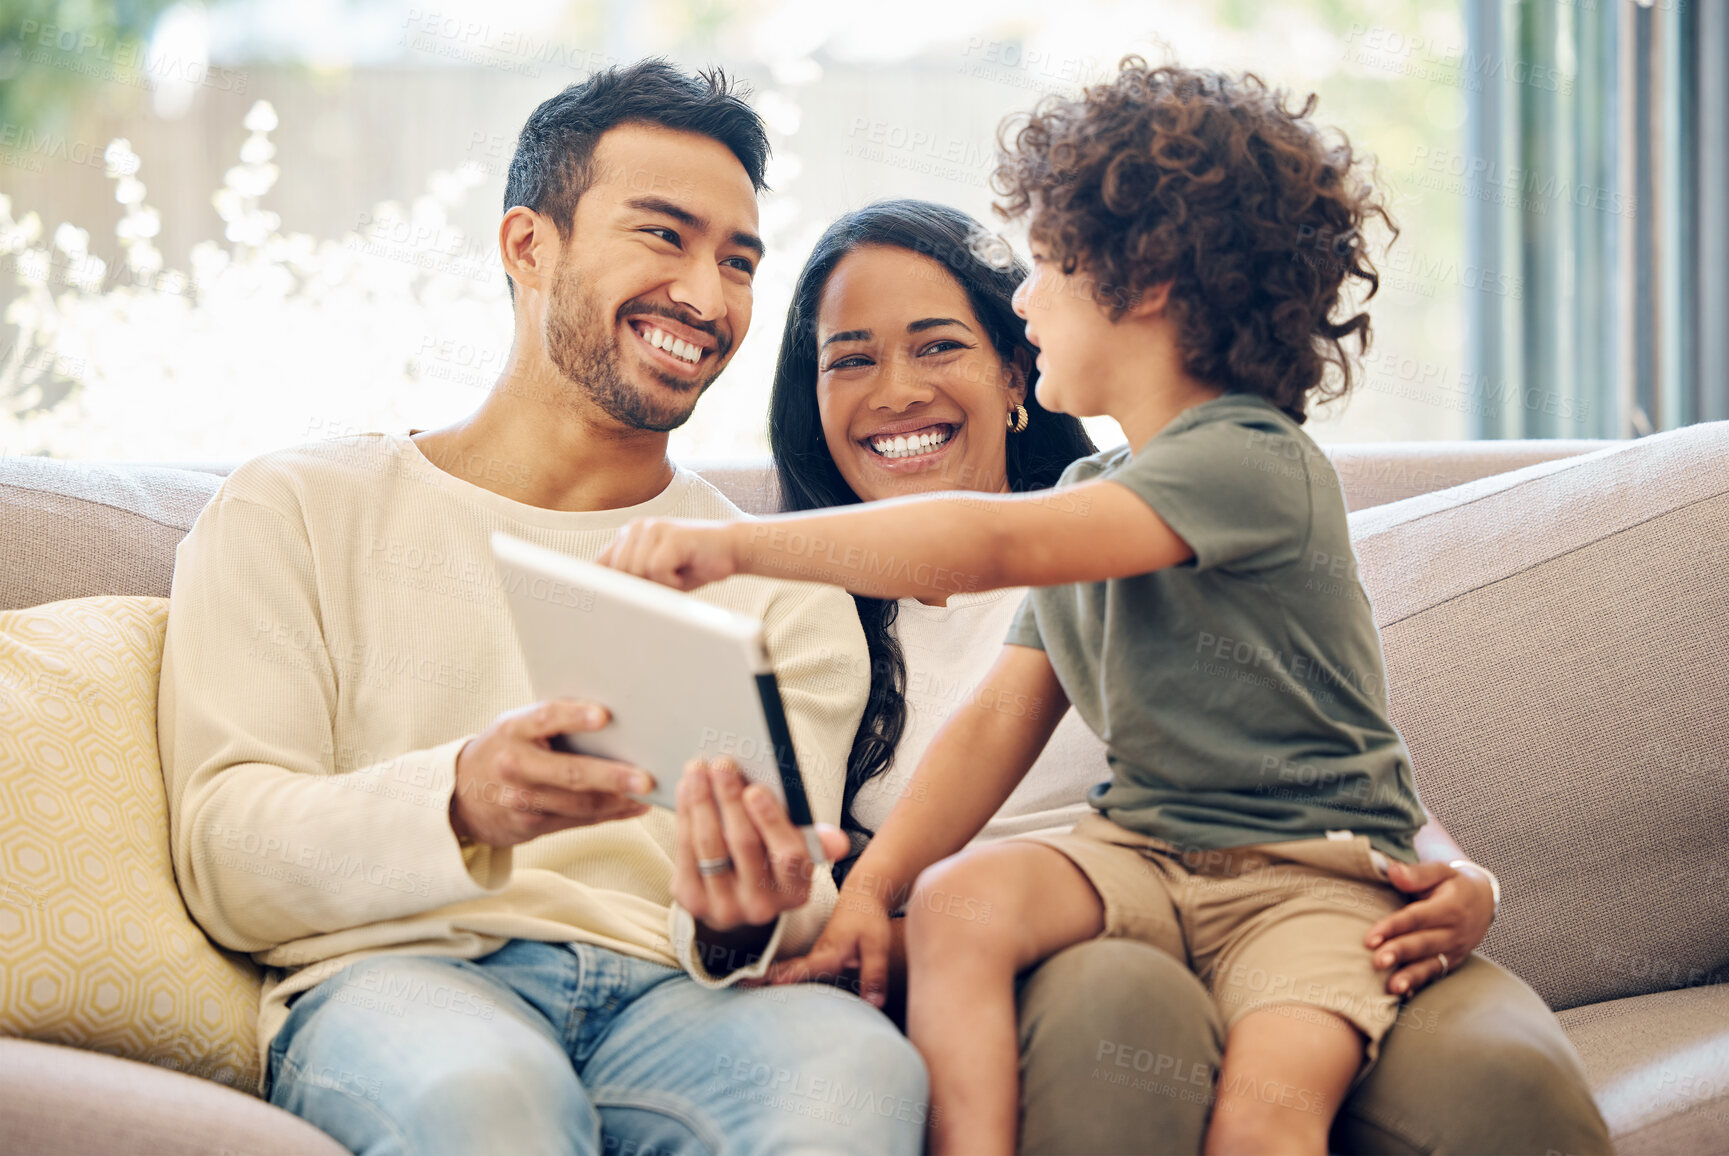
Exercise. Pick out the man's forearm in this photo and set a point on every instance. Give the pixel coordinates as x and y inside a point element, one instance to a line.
<point>237,821</point>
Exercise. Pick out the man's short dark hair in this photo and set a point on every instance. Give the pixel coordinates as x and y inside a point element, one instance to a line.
<point>553,164</point>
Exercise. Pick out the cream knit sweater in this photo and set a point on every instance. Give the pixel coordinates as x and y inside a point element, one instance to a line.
<point>336,632</point>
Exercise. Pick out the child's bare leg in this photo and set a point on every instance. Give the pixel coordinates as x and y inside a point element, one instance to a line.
<point>974,921</point>
<point>1286,1070</point>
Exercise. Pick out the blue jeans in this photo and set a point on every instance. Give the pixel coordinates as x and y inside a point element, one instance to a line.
<point>570,1048</point>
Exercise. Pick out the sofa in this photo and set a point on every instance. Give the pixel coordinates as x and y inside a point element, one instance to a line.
<point>1554,617</point>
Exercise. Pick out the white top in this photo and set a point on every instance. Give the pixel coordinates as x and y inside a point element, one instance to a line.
<point>949,649</point>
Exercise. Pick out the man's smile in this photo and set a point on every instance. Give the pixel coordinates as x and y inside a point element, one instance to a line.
<point>672,346</point>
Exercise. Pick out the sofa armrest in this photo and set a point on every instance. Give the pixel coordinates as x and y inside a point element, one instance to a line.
<point>60,1101</point>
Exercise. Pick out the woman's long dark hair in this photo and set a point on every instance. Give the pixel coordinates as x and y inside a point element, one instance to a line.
<point>984,266</point>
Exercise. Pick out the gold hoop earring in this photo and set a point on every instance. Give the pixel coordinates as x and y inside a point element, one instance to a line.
<point>1018,419</point>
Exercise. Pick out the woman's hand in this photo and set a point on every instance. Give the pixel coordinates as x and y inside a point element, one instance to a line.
<point>679,552</point>
<point>857,936</point>
<point>1449,916</point>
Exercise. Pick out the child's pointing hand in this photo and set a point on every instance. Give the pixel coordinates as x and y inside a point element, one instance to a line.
<point>678,552</point>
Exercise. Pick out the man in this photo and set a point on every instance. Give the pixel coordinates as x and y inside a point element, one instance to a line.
<point>478,943</point>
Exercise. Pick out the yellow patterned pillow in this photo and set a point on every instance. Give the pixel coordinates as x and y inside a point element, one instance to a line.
<point>96,947</point>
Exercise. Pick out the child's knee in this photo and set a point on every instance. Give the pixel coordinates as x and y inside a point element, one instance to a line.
<point>960,897</point>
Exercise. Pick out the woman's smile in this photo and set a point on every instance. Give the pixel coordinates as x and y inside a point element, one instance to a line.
<point>904,450</point>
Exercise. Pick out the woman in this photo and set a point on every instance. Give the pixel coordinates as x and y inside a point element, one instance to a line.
<point>903,369</point>
<point>958,383</point>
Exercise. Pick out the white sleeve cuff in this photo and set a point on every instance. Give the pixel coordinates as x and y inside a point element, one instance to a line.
<point>681,927</point>
<point>421,831</point>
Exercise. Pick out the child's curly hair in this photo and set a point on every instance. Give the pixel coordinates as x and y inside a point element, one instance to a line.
<point>1252,213</point>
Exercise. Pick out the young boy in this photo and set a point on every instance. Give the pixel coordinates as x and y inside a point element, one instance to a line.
<point>1197,602</point>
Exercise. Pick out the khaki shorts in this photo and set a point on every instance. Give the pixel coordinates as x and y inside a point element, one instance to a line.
<point>1264,925</point>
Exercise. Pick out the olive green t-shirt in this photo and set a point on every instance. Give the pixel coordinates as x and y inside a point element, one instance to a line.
<point>1241,695</point>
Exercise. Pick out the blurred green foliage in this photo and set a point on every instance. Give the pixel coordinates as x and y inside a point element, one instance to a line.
<point>54,52</point>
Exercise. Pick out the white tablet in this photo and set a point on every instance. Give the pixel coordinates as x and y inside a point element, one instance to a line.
<point>682,678</point>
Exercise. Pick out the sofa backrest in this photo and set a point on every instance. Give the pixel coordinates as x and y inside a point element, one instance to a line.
<point>70,529</point>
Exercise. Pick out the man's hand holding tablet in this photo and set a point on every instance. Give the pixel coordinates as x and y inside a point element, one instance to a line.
<point>741,856</point>
<point>511,786</point>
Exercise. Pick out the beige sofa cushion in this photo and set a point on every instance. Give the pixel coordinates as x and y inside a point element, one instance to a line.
<point>1658,1066</point>
<point>1554,645</point>
<point>96,946</point>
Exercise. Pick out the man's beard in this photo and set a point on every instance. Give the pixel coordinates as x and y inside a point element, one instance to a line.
<point>584,345</point>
